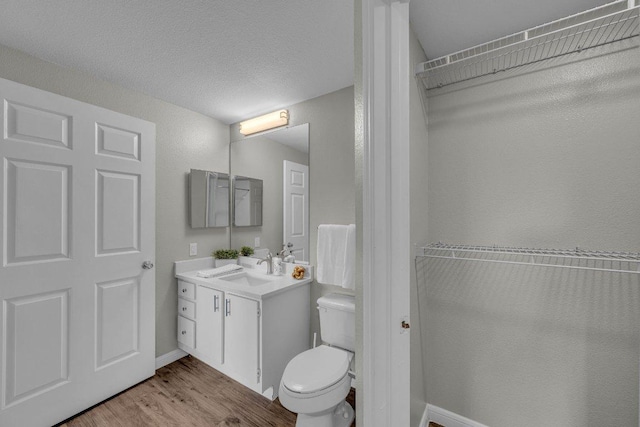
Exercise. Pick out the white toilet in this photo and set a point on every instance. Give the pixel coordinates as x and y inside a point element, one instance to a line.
<point>316,382</point>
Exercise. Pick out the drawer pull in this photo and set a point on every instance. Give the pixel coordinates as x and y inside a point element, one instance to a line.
<point>184,308</point>
<point>184,290</point>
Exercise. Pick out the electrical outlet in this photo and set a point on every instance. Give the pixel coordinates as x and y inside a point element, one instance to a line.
<point>193,249</point>
<point>256,242</point>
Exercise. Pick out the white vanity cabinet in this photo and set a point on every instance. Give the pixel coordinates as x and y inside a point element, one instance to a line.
<point>248,335</point>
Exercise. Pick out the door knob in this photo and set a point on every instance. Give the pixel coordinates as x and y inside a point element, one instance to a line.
<point>147,265</point>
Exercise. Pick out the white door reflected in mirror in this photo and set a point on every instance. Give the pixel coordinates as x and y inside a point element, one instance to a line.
<point>296,209</point>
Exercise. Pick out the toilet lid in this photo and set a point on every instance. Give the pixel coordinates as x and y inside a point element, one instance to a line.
<point>316,369</point>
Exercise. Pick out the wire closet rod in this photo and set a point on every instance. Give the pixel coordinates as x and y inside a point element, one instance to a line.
<point>618,262</point>
<point>603,25</point>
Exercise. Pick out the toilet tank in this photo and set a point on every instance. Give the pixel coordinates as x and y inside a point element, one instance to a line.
<point>338,320</point>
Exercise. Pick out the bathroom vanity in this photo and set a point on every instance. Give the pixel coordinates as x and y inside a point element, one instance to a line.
<point>247,325</point>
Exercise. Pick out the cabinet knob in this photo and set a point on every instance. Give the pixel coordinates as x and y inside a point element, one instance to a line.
<point>184,332</point>
<point>147,265</point>
<point>184,290</point>
<point>184,308</point>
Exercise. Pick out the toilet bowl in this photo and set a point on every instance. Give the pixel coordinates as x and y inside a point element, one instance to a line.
<point>315,384</point>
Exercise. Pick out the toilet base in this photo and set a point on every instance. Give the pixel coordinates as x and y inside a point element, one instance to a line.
<point>340,416</point>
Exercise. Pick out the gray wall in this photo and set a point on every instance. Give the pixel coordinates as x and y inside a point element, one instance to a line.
<point>260,157</point>
<point>545,157</point>
<point>184,140</point>
<point>331,171</point>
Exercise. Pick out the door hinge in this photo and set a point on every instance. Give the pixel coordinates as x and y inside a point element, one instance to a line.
<point>258,312</point>
<point>258,374</point>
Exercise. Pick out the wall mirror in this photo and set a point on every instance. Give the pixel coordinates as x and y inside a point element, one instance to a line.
<point>208,199</point>
<point>247,201</point>
<point>280,161</point>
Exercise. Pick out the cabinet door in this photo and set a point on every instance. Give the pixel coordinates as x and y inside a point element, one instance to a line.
<point>209,332</point>
<point>241,338</point>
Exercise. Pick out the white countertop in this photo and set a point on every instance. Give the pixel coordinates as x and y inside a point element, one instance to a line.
<point>187,271</point>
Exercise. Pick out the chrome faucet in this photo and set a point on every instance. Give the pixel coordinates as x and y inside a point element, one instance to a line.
<point>269,260</point>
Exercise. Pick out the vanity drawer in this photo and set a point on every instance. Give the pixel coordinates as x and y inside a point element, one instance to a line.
<point>186,332</point>
<point>186,290</point>
<point>187,308</point>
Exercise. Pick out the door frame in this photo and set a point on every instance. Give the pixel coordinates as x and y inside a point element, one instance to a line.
<point>386,252</point>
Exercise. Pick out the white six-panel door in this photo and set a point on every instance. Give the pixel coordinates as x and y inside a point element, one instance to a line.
<point>296,209</point>
<point>77,190</point>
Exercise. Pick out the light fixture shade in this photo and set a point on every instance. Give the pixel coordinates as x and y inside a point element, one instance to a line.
<point>266,122</point>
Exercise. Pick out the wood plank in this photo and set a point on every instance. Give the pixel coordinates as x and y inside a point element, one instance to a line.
<point>188,392</point>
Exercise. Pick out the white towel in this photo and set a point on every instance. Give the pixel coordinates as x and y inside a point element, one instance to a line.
<point>336,255</point>
<point>220,271</point>
<point>349,275</point>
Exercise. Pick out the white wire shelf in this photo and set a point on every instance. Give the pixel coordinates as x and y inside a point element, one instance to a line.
<point>600,26</point>
<point>619,262</point>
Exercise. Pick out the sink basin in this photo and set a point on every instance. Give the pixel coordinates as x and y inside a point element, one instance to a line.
<point>245,279</point>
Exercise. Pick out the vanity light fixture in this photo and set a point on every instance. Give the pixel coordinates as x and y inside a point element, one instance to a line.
<point>266,122</point>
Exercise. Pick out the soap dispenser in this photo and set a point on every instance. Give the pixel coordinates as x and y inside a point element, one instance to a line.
<point>277,263</point>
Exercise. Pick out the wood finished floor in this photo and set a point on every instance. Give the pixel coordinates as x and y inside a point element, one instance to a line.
<point>188,393</point>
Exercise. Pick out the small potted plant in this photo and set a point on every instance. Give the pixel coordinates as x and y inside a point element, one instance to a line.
<point>246,251</point>
<point>225,256</point>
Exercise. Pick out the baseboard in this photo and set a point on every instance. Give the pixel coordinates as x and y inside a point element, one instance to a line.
<point>424,421</point>
<point>170,357</point>
<point>445,418</point>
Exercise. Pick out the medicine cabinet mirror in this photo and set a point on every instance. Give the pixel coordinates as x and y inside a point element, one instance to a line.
<point>208,199</point>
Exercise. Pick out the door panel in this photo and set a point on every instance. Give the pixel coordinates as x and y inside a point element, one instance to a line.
<point>118,205</point>
<point>78,196</point>
<point>37,358</point>
<point>117,320</point>
<point>117,142</point>
<point>32,124</point>
<point>36,211</point>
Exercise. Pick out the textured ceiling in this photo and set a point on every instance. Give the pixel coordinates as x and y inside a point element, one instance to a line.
<point>228,59</point>
<point>235,59</point>
<point>447,26</point>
